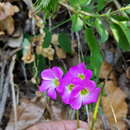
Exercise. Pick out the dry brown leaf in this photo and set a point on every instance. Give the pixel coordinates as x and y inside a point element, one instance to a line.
<point>124,83</point>
<point>28,113</point>
<point>74,45</point>
<point>39,50</point>
<point>7,9</point>
<point>39,22</point>
<point>7,25</point>
<point>114,106</point>
<point>38,40</point>
<point>59,125</point>
<point>28,58</point>
<point>106,71</point>
<point>60,53</point>
<point>128,72</point>
<point>58,111</point>
<point>54,39</point>
<point>48,52</point>
<point>15,42</point>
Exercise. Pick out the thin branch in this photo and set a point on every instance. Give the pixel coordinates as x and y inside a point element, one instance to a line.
<point>117,4</point>
<point>75,11</point>
<point>13,91</point>
<point>93,15</point>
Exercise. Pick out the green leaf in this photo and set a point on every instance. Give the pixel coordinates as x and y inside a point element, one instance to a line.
<point>42,4</point>
<point>84,2</point>
<point>47,39</point>
<point>101,30</point>
<point>125,29</point>
<point>77,23</point>
<point>78,3</point>
<point>120,18</point>
<point>25,46</point>
<point>101,4</point>
<point>128,10</point>
<point>120,37</point>
<point>65,42</point>
<point>41,63</point>
<point>96,57</point>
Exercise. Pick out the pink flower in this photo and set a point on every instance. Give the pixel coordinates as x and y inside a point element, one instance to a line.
<point>66,87</point>
<point>80,71</point>
<point>85,93</point>
<point>51,81</point>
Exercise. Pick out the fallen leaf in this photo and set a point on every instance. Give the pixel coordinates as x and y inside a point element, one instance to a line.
<point>107,71</point>
<point>27,57</point>
<point>128,72</point>
<point>7,25</point>
<point>58,111</point>
<point>38,40</point>
<point>7,9</point>
<point>114,105</point>
<point>60,53</point>
<point>15,42</point>
<point>39,50</point>
<point>48,52</point>
<point>28,3</point>
<point>28,113</point>
<point>124,84</point>
<point>59,125</point>
<point>54,40</point>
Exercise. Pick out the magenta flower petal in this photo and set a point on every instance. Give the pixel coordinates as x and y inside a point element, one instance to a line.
<point>80,72</point>
<point>48,74</point>
<point>58,72</point>
<point>76,102</point>
<point>44,86</point>
<point>86,91</point>
<point>64,82</point>
<point>89,84</point>
<point>92,97</point>
<point>52,93</point>
<point>88,73</point>
<point>66,97</point>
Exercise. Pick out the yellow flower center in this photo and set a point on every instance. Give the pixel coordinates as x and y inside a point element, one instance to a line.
<point>81,76</point>
<point>56,82</point>
<point>84,92</point>
<point>70,87</point>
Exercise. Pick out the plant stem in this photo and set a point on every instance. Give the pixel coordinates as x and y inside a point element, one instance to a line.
<point>117,4</point>
<point>90,14</point>
<point>75,11</point>
<point>95,113</point>
<point>77,116</point>
<point>60,24</point>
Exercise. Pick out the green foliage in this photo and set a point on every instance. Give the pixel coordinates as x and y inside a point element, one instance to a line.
<point>77,23</point>
<point>49,6</point>
<point>101,4</point>
<point>25,46</point>
<point>40,64</point>
<point>41,4</point>
<point>120,18</point>
<point>88,15</point>
<point>95,57</point>
<point>47,39</point>
<point>120,37</point>
<point>65,42</point>
<point>125,29</point>
<point>101,30</point>
<point>79,3</point>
